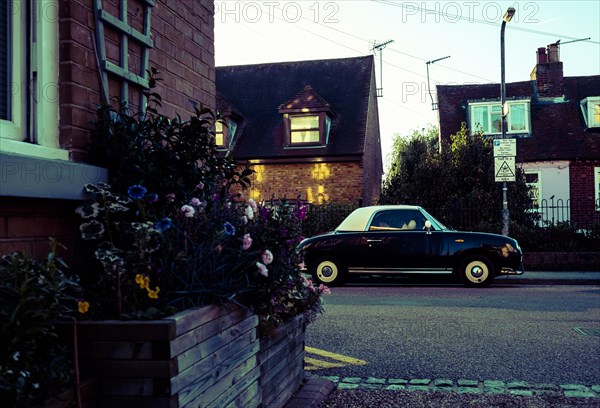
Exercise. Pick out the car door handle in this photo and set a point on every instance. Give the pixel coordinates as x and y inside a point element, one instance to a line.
<point>370,241</point>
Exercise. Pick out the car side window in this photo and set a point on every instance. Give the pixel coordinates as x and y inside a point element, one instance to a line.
<point>400,220</point>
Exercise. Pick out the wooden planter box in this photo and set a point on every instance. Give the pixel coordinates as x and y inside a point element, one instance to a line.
<point>202,357</point>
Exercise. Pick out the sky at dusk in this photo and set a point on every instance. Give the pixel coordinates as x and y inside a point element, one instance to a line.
<point>253,32</point>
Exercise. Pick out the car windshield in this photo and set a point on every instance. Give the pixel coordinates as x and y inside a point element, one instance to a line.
<point>436,224</point>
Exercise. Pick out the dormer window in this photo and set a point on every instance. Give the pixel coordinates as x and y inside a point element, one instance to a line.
<point>306,119</point>
<point>590,107</point>
<point>487,117</point>
<point>224,132</point>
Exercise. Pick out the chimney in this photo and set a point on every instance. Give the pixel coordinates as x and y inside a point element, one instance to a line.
<point>548,73</point>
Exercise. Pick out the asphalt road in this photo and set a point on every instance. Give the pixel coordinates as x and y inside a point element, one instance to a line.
<point>541,334</point>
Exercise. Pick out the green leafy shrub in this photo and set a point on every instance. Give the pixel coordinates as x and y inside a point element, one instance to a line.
<point>33,296</point>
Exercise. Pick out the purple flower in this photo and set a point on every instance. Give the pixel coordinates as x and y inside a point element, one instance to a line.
<point>136,191</point>
<point>247,242</point>
<point>195,202</point>
<point>200,186</point>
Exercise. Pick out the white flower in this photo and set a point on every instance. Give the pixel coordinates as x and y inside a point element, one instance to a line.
<point>16,356</point>
<point>267,257</point>
<point>188,211</point>
<point>249,212</point>
<point>262,269</point>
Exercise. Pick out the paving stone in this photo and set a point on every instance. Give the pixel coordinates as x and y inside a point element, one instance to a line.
<point>494,390</point>
<point>443,389</point>
<point>442,382</point>
<point>596,388</point>
<point>468,383</point>
<point>346,386</point>
<point>524,393</point>
<point>574,387</point>
<point>375,380</point>
<point>334,378</point>
<point>468,390</point>
<point>517,385</point>
<point>395,387</point>
<point>580,394</point>
<point>371,386</point>
<point>397,381</point>
<point>418,388</point>
<point>351,380</point>
<point>494,384</point>
<point>552,387</point>
<point>419,381</point>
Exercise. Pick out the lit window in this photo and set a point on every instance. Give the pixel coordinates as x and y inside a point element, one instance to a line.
<point>590,107</point>
<point>29,78</point>
<point>225,132</point>
<point>534,182</point>
<point>304,129</point>
<point>487,117</point>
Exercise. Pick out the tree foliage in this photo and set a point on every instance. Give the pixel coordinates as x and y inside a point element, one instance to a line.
<point>454,181</point>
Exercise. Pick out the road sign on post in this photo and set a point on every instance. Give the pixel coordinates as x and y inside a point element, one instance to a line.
<point>505,151</point>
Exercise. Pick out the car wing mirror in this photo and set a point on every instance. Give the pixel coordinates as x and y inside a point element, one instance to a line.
<point>427,226</point>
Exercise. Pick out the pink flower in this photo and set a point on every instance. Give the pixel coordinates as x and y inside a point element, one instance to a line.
<point>170,197</point>
<point>188,211</point>
<point>267,257</point>
<point>262,269</point>
<point>195,202</point>
<point>247,242</point>
<point>200,186</point>
<point>324,289</point>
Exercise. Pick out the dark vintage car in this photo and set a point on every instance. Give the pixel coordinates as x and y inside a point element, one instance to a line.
<point>404,239</point>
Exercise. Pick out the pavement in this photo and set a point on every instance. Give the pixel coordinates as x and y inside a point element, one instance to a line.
<point>315,389</point>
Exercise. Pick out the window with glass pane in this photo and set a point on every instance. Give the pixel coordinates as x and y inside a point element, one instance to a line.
<point>480,118</point>
<point>5,60</point>
<point>517,117</point>
<point>597,185</point>
<point>533,181</point>
<point>496,118</point>
<point>597,114</point>
<point>304,129</point>
<point>219,136</point>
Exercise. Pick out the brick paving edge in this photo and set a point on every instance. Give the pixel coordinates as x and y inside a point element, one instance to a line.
<point>312,393</point>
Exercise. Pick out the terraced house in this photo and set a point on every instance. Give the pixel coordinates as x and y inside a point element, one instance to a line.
<point>59,59</point>
<point>556,122</point>
<point>310,128</point>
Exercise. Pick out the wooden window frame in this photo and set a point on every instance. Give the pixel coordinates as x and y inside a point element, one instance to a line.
<point>588,110</point>
<point>323,128</point>
<point>488,105</point>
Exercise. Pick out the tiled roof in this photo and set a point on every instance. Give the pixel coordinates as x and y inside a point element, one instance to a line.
<point>306,99</point>
<point>558,128</point>
<point>258,91</point>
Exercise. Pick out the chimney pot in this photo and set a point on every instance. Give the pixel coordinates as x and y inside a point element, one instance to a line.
<point>553,53</point>
<point>542,57</point>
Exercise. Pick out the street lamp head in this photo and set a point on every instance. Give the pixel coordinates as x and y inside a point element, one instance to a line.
<point>509,14</point>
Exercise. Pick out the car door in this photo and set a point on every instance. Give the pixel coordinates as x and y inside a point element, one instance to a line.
<point>396,241</point>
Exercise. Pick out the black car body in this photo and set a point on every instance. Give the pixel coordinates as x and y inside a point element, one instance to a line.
<point>403,239</point>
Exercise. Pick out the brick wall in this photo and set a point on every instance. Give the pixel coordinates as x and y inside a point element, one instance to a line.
<point>315,182</point>
<point>582,190</point>
<point>183,51</point>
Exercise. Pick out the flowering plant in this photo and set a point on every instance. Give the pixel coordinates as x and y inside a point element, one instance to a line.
<point>172,232</point>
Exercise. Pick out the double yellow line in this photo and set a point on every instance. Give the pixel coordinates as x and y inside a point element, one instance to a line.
<point>317,364</point>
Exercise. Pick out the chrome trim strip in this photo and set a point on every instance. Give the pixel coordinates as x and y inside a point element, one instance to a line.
<point>402,271</point>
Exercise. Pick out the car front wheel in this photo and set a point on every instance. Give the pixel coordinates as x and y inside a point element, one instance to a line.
<point>329,271</point>
<point>477,271</point>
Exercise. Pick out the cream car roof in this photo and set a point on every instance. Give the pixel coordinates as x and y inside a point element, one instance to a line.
<point>359,218</point>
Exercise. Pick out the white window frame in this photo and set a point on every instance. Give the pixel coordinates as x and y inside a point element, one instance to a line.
<point>32,129</point>
<point>510,104</point>
<point>597,188</point>
<point>587,109</point>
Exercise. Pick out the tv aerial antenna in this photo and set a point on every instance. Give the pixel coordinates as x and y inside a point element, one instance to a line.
<point>434,106</point>
<point>379,47</point>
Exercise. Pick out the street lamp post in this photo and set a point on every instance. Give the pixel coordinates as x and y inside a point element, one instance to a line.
<point>505,19</point>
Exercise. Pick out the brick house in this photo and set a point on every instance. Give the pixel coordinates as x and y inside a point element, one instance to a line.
<point>58,60</point>
<point>309,128</point>
<point>556,121</point>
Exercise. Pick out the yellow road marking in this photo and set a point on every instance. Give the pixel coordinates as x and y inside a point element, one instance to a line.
<point>339,357</point>
<point>317,364</point>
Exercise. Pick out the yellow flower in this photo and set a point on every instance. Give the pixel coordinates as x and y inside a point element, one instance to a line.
<point>83,307</point>
<point>142,280</point>
<point>153,294</point>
